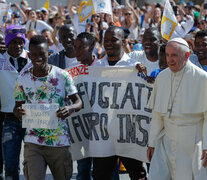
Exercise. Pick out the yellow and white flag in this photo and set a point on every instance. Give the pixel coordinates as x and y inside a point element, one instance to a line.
<point>85,10</point>
<point>169,22</point>
<point>4,8</point>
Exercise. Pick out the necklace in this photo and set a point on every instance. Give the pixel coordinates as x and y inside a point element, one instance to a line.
<point>34,77</point>
<point>172,99</point>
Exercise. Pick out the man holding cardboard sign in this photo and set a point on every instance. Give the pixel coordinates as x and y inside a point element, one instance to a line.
<point>45,89</point>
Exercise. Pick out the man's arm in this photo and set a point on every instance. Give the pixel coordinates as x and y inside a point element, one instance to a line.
<point>70,10</point>
<point>18,111</point>
<point>66,111</point>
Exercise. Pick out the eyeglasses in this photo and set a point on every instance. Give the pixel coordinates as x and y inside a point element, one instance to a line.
<point>127,14</point>
<point>15,31</point>
<point>131,43</point>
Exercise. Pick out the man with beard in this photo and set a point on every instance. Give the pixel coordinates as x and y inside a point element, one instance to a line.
<point>149,56</point>
<point>200,48</point>
<point>67,57</point>
<point>13,62</point>
<point>104,166</point>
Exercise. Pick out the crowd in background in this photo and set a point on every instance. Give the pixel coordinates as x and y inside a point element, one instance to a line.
<point>59,25</point>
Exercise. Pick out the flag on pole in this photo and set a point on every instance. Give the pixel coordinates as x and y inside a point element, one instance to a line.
<point>4,8</point>
<point>103,6</point>
<point>169,22</point>
<point>47,4</point>
<point>87,8</point>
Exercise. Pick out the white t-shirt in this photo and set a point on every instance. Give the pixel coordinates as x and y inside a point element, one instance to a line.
<point>140,57</point>
<point>37,26</point>
<point>70,62</point>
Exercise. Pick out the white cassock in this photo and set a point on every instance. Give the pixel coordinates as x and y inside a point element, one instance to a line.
<point>180,138</point>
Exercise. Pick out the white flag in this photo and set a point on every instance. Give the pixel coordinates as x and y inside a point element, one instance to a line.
<point>169,21</point>
<point>103,6</point>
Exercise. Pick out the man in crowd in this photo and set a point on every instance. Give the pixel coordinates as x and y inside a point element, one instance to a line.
<point>104,166</point>
<point>12,63</point>
<point>200,48</point>
<point>65,58</point>
<point>46,84</point>
<point>178,130</point>
<point>149,56</point>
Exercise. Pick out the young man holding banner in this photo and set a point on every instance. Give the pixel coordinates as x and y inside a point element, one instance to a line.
<point>43,87</point>
<point>104,166</point>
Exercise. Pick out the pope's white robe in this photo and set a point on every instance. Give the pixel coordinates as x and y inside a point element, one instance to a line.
<point>179,140</point>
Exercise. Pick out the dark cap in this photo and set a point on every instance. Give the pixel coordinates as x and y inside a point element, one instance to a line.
<point>126,32</point>
<point>190,4</point>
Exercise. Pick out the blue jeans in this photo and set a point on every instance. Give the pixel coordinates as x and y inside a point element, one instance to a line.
<point>12,136</point>
<point>85,170</point>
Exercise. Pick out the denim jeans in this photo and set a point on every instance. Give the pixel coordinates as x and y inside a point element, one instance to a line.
<point>12,136</point>
<point>85,170</point>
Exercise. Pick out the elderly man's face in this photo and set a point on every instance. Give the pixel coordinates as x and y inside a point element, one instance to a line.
<point>176,59</point>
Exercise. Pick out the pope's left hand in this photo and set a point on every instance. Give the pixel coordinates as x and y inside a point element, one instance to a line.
<point>204,158</point>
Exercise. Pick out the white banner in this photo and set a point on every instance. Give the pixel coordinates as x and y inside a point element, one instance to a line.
<point>4,8</point>
<point>40,116</point>
<point>115,119</point>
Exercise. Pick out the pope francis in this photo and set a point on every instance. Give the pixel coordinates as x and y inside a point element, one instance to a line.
<point>178,131</point>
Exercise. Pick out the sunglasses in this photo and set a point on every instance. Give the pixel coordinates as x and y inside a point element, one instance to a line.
<point>97,16</point>
<point>131,43</point>
<point>15,31</point>
<point>127,14</point>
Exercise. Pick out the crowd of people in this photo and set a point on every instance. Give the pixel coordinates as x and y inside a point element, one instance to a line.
<point>37,45</point>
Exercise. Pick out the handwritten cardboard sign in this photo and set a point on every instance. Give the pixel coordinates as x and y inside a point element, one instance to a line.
<point>40,116</point>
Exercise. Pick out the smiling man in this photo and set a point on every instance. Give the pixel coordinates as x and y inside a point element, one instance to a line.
<point>149,56</point>
<point>104,166</point>
<point>178,130</point>
<point>200,48</point>
<point>67,57</point>
<point>46,84</point>
<point>13,62</point>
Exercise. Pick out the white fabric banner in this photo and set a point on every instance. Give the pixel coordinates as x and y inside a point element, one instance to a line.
<point>4,8</point>
<point>115,119</point>
<point>40,116</point>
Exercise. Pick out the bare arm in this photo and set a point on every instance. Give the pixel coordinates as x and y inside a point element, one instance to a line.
<point>135,13</point>
<point>18,111</point>
<point>66,111</point>
<point>22,12</point>
<point>70,10</point>
<point>148,16</point>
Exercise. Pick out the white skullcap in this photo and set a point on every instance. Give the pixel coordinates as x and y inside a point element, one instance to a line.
<point>180,41</point>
